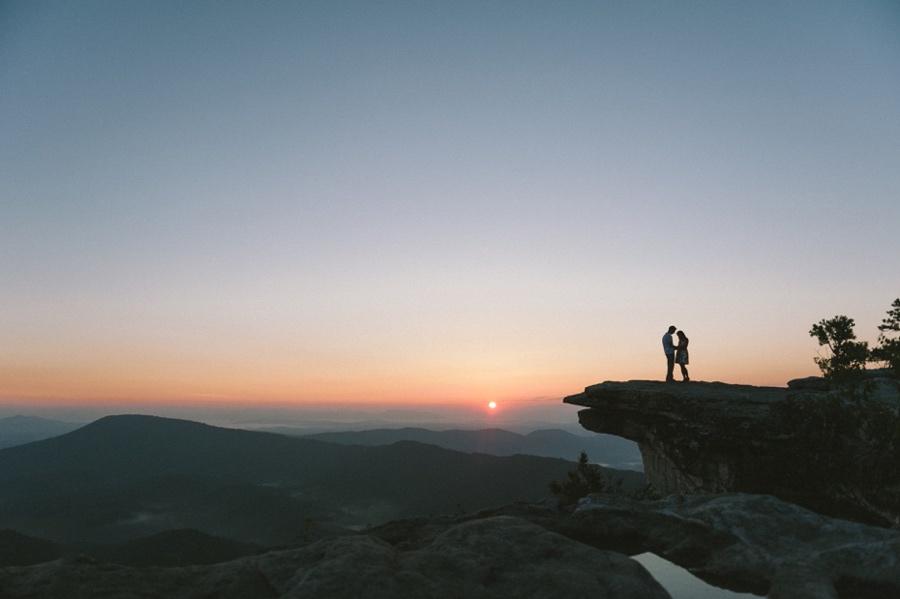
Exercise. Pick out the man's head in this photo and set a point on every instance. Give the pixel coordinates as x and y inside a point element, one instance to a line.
<point>672,329</point>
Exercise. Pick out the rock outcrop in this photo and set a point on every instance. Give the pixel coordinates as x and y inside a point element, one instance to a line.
<point>746,543</point>
<point>754,542</point>
<point>742,542</point>
<point>716,438</point>
<point>492,557</point>
<point>696,438</point>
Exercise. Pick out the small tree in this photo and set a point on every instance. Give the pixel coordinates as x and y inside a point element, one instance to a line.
<point>888,350</point>
<point>585,479</point>
<point>848,356</point>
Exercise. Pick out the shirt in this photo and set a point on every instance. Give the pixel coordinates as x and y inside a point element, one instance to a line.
<point>668,346</point>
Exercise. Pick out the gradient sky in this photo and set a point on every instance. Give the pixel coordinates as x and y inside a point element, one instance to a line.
<point>436,202</point>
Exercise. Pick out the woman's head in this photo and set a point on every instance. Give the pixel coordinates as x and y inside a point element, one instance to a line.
<point>681,335</point>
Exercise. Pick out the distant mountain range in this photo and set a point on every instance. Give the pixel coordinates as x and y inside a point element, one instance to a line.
<point>124,477</point>
<point>606,449</point>
<point>18,430</point>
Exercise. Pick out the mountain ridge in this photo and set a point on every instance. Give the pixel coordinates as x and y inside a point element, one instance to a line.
<point>606,449</point>
<point>132,475</point>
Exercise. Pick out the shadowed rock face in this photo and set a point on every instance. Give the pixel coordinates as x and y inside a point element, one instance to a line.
<point>694,438</point>
<point>716,438</point>
<point>494,557</point>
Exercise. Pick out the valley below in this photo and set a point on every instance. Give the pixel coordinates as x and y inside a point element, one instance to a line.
<point>164,507</point>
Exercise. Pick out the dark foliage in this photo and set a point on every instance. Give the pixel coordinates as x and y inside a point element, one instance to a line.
<point>585,479</point>
<point>848,358</point>
<point>645,493</point>
<point>888,349</point>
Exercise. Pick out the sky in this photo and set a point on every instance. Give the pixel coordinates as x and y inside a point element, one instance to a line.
<point>417,203</point>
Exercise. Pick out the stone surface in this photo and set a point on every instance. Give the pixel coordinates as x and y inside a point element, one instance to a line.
<point>714,438</point>
<point>756,542</point>
<point>694,437</point>
<point>880,384</point>
<point>746,543</point>
<point>738,541</point>
<point>492,557</point>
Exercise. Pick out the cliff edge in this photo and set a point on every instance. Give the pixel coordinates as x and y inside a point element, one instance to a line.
<point>716,438</point>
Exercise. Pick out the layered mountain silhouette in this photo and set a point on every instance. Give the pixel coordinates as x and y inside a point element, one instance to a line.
<point>18,430</point>
<point>555,443</point>
<point>122,477</point>
<point>17,549</point>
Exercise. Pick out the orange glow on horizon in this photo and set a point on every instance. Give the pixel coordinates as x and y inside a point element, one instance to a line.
<point>235,373</point>
<point>279,386</point>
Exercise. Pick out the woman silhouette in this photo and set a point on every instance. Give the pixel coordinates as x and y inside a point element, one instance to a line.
<point>681,354</point>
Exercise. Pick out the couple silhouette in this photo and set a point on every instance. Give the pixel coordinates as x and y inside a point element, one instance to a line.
<point>676,354</point>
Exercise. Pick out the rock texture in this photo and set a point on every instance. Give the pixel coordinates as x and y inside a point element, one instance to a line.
<point>492,557</point>
<point>716,438</point>
<point>738,541</point>
<point>746,543</point>
<point>694,438</point>
<point>755,542</point>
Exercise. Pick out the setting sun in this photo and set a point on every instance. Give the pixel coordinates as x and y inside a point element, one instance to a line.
<point>492,405</point>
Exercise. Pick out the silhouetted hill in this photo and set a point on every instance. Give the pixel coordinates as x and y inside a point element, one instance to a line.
<point>18,430</point>
<point>127,476</point>
<point>614,451</point>
<point>17,549</point>
<point>174,548</point>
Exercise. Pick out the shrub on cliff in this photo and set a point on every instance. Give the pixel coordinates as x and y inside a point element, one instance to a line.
<point>848,358</point>
<point>888,349</point>
<point>587,478</point>
<point>850,441</point>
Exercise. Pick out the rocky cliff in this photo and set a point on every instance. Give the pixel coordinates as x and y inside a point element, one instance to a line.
<point>716,437</point>
<point>694,438</point>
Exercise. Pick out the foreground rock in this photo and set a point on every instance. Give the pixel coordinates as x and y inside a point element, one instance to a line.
<point>738,541</point>
<point>491,557</point>
<point>716,438</point>
<point>742,542</point>
<point>757,543</point>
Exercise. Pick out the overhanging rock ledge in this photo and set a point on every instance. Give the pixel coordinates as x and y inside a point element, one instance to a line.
<point>695,437</point>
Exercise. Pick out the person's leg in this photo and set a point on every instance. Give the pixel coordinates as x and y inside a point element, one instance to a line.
<point>684,372</point>
<point>670,367</point>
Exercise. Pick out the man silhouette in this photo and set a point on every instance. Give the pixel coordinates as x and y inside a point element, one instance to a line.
<point>669,350</point>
